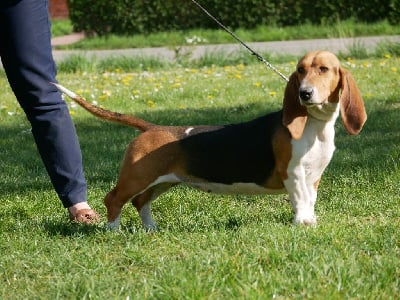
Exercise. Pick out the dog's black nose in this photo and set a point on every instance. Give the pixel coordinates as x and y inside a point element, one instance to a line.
<point>306,93</point>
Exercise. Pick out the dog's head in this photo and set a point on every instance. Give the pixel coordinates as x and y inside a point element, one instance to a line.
<point>318,83</point>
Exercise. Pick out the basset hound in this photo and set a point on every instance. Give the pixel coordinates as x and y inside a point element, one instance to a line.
<point>284,151</point>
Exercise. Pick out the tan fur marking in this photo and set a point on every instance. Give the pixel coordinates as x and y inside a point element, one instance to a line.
<point>283,152</point>
<point>352,106</point>
<point>294,114</point>
<point>316,184</point>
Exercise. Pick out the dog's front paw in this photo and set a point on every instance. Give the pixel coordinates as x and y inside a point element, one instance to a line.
<point>305,220</point>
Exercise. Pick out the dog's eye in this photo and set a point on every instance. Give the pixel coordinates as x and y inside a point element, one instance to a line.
<point>301,70</point>
<point>323,69</point>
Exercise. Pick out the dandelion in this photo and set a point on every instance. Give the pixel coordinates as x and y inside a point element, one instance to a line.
<point>105,94</point>
<point>176,85</point>
<point>257,84</point>
<point>238,76</point>
<point>393,69</point>
<point>151,103</point>
<point>367,95</point>
<point>126,80</point>
<point>272,93</point>
<point>387,56</point>
<point>208,72</point>
<point>367,65</point>
<point>350,62</point>
<point>240,66</point>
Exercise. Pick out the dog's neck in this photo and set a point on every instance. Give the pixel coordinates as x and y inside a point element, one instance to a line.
<point>324,112</point>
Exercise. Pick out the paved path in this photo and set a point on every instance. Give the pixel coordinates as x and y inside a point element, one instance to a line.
<point>298,47</point>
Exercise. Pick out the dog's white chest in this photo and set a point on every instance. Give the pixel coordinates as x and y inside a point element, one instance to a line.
<point>315,149</point>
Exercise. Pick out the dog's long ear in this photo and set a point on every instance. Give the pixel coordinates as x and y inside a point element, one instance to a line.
<point>352,108</point>
<point>294,114</point>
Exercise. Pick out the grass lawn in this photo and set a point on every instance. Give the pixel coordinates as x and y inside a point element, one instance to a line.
<point>210,246</point>
<point>174,39</point>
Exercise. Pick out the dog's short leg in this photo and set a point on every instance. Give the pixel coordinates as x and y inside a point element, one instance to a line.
<point>147,219</point>
<point>143,204</point>
<point>302,197</point>
<point>113,210</point>
<point>114,201</point>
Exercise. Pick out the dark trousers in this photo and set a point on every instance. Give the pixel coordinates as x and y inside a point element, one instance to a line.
<point>26,54</point>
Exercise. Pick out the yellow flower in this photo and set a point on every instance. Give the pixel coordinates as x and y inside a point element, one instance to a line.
<point>272,94</point>
<point>257,84</point>
<point>151,103</point>
<point>240,66</point>
<point>387,55</point>
<point>368,95</point>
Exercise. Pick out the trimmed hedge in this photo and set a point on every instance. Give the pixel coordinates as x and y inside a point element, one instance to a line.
<point>143,16</point>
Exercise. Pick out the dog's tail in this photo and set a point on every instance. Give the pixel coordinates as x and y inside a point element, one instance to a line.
<point>132,121</point>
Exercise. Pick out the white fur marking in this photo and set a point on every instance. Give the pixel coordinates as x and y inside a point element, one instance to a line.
<point>188,130</point>
<point>170,178</point>
<point>233,189</point>
<point>310,156</point>
<point>64,90</point>
<point>114,224</point>
<point>145,215</point>
<point>247,188</point>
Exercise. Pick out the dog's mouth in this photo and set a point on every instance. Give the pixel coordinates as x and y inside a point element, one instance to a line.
<point>311,104</point>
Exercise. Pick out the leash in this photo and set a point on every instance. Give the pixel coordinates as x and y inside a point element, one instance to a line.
<point>258,56</point>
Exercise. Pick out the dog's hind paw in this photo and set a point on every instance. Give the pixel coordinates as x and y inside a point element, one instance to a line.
<point>114,225</point>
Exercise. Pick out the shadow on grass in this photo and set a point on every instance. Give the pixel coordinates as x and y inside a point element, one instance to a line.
<point>65,228</point>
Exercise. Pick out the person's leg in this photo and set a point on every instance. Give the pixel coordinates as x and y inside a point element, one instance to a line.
<point>25,47</point>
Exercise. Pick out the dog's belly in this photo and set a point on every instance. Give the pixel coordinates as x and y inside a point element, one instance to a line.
<point>233,189</point>
<point>247,188</point>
